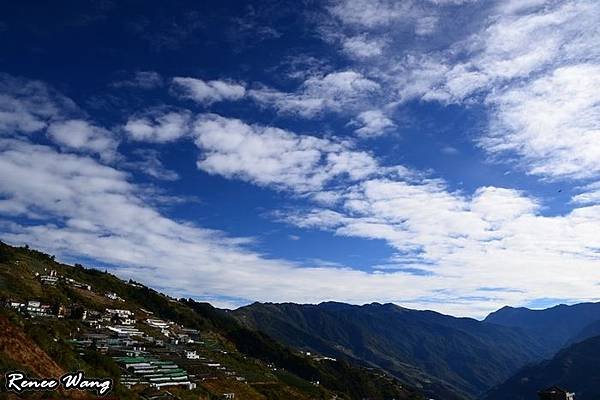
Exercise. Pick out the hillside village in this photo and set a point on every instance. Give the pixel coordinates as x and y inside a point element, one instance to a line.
<point>151,351</point>
<point>156,357</point>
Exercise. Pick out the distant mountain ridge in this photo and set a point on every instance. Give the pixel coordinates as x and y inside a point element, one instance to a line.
<point>466,354</point>
<point>553,327</point>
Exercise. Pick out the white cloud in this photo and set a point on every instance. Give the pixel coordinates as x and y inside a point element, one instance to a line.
<point>270,156</point>
<point>373,123</point>
<point>289,103</point>
<point>28,106</point>
<point>592,197</point>
<point>533,64</point>
<point>413,17</point>
<point>338,84</point>
<point>518,40</point>
<point>79,208</point>
<point>32,107</point>
<point>361,46</point>
<point>516,6</point>
<point>493,238</point>
<point>458,83</point>
<point>450,151</point>
<point>372,14</point>
<point>148,161</point>
<point>82,136</point>
<point>415,75</point>
<point>551,120</point>
<point>159,126</point>
<point>496,237</point>
<point>98,213</point>
<point>552,123</point>
<point>207,92</point>
<point>426,25</point>
<point>516,45</point>
<point>337,91</point>
<point>589,194</point>
<point>497,205</point>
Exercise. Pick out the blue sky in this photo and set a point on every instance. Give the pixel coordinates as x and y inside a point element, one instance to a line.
<point>439,154</point>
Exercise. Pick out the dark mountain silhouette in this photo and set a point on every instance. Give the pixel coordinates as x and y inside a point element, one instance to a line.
<point>553,327</point>
<point>574,369</point>
<point>470,355</point>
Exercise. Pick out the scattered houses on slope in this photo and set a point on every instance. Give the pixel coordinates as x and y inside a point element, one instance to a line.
<point>167,354</point>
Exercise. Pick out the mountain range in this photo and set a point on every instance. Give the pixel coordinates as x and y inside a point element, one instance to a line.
<point>553,327</point>
<point>374,351</point>
<point>463,354</point>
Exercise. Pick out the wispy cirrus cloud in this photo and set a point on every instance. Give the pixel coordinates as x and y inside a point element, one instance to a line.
<point>532,64</point>
<point>149,162</point>
<point>552,123</point>
<point>76,207</point>
<point>141,79</point>
<point>588,194</point>
<point>335,92</point>
<point>376,14</point>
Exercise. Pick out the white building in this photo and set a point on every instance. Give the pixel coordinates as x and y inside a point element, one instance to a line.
<point>16,305</point>
<point>76,284</point>
<point>125,330</point>
<point>36,309</point>
<point>49,280</point>
<point>157,323</point>
<point>191,355</point>
<point>120,313</point>
<point>113,296</point>
<point>126,316</point>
